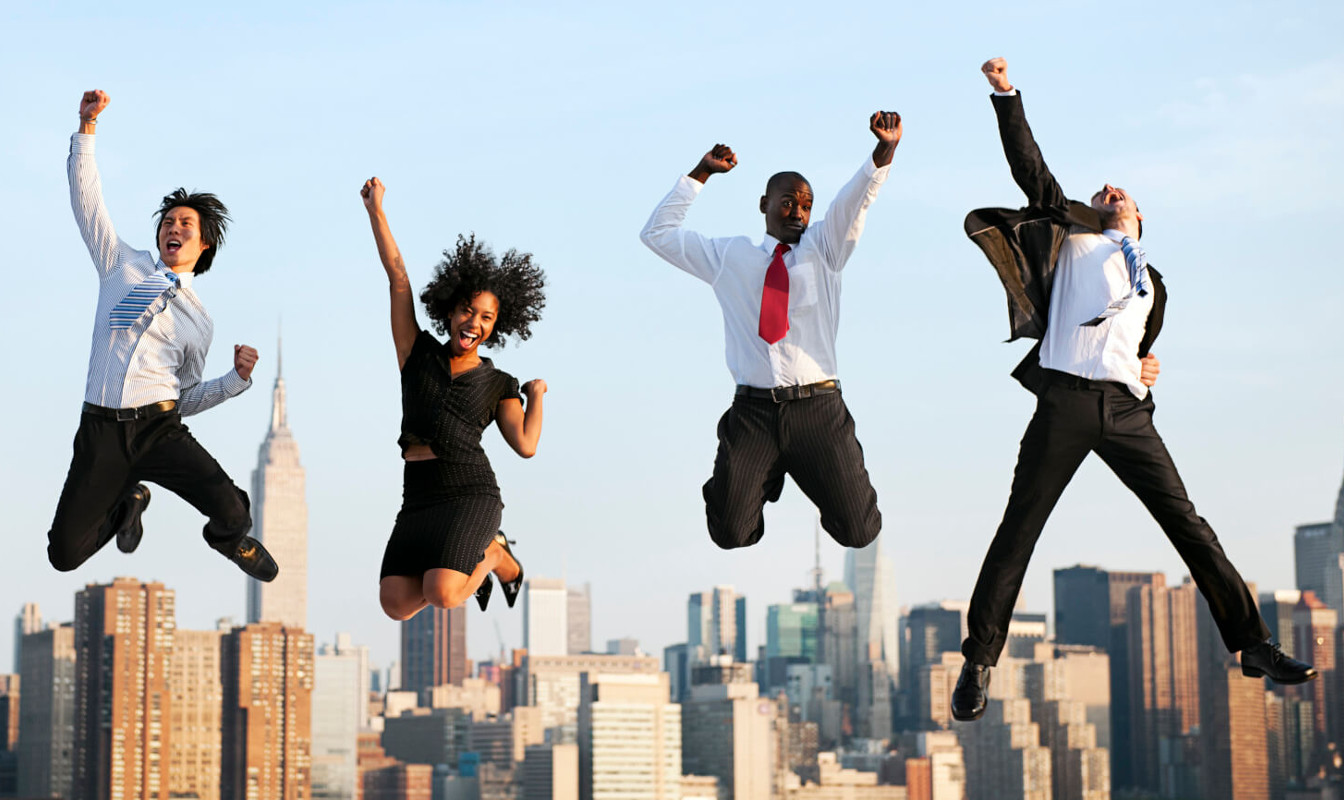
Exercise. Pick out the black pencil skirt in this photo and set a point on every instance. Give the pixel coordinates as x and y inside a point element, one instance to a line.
<point>437,527</point>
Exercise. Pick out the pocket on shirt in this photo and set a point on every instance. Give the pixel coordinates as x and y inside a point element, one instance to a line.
<point>802,286</point>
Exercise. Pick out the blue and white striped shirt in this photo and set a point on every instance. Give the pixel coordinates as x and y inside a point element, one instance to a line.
<point>162,354</point>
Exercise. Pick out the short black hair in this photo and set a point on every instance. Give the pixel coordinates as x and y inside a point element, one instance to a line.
<point>471,269</point>
<point>780,177</point>
<point>214,221</point>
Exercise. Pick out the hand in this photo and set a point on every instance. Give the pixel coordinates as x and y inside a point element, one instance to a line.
<point>996,71</point>
<point>1149,366</point>
<point>92,104</point>
<point>373,194</point>
<point>720,158</point>
<point>244,359</point>
<point>534,388</point>
<point>886,126</point>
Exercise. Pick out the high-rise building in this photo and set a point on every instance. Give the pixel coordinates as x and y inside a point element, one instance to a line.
<point>267,712</point>
<point>1164,687</point>
<point>1233,728</point>
<point>579,619</point>
<point>1091,609</point>
<point>728,731</point>
<point>340,711</point>
<point>869,574</point>
<point>29,620</point>
<point>9,735</point>
<point>1276,608</point>
<point>1315,626</point>
<point>47,713</point>
<point>433,650</point>
<point>196,686</point>
<point>545,617</point>
<point>715,620</point>
<point>552,683</point>
<point>629,738</point>
<point>123,642</point>
<point>551,772</point>
<point>1315,547</point>
<point>1004,760</point>
<point>280,520</point>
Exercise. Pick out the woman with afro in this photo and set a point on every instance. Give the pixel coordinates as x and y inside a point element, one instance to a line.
<point>446,540</point>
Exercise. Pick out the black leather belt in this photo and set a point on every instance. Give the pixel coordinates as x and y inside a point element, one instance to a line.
<point>1058,378</point>
<point>781,393</point>
<point>129,414</point>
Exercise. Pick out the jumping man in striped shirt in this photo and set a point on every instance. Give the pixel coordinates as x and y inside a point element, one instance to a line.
<point>150,338</point>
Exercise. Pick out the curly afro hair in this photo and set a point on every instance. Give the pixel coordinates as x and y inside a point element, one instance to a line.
<point>471,269</point>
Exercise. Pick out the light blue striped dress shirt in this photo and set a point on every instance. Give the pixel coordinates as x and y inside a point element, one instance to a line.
<point>162,354</point>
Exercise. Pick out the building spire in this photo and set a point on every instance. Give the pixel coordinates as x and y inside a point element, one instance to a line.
<point>278,419</point>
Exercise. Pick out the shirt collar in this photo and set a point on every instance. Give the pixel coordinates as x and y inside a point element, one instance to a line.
<point>1114,234</point>
<point>769,243</point>
<point>183,278</point>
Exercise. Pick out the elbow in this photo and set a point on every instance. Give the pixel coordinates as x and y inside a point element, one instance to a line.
<point>527,452</point>
<point>647,237</point>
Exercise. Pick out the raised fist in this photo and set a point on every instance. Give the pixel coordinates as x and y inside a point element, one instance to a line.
<point>886,126</point>
<point>92,104</point>
<point>373,193</point>
<point>996,71</point>
<point>720,158</point>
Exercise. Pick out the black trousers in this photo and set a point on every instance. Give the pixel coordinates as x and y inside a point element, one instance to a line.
<point>1074,417</point>
<point>811,439</point>
<point>111,457</point>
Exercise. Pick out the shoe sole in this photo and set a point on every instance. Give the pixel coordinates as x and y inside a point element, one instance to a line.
<point>967,717</point>
<point>1251,672</point>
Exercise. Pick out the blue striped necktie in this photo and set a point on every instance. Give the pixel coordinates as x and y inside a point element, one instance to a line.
<point>1137,261</point>
<point>126,312</point>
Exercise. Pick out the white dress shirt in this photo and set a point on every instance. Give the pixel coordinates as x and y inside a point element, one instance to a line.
<point>161,356</point>
<point>1089,274</point>
<point>736,267</point>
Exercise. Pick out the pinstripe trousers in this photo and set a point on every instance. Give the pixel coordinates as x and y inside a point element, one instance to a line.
<point>810,439</point>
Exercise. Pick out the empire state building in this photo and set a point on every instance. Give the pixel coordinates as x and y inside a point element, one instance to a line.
<point>280,521</point>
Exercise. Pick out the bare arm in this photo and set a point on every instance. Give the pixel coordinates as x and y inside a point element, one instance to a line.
<point>404,326</point>
<point>522,429</point>
<point>886,126</point>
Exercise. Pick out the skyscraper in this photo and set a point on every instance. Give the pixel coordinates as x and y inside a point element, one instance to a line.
<point>340,710</point>
<point>123,642</point>
<point>629,738</point>
<point>29,620</point>
<point>579,619</point>
<point>1315,547</point>
<point>433,650</point>
<point>47,713</point>
<point>280,520</point>
<point>1233,730</point>
<point>267,712</point>
<point>727,732</point>
<point>869,574</point>
<point>197,690</point>
<point>545,617</point>
<point>715,621</point>
<point>1163,687</point>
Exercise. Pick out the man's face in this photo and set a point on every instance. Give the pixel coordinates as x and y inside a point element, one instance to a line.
<point>180,237</point>
<point>1114,204</point>
<point>787,206</point>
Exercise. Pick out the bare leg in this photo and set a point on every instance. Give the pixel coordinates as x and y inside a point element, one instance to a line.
<point>401,596</point>
<point>448,588</point>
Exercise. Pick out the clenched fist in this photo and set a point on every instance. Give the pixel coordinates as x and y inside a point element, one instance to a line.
<point>244,359</point>
<point>92,104</point>
<point>996,72</point>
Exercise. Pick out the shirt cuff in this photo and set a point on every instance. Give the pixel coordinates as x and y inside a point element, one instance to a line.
<point>1010,93</point>
<point>689,184</point>
<point>81,142</point>
<point>233,383</point>
<point>873,172</point>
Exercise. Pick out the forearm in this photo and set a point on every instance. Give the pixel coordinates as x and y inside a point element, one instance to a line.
<point>1023,154</point>
<point>205,395</point>
<point>86,201</point>
<point>527,444</point>
<point>883,152</point>
<point>388,252</point>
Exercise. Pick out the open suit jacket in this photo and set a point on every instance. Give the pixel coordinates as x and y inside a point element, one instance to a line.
<point>1023,244</point>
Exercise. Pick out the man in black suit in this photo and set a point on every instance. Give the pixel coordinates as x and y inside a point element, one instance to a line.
<point>1077,280</point>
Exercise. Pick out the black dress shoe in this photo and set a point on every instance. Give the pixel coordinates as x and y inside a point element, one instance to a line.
<point>971,696</point>
<point>1266,660</point>
<point>513,587</point>
<point>251,557</point>
<point>483,592</point>
<point>128,528</point>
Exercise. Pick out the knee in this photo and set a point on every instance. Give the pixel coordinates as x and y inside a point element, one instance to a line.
<point>397,605</point>
<point>729,537</point>
<point>62,557</point>
<point>854,532</point>
<point>448,593</point>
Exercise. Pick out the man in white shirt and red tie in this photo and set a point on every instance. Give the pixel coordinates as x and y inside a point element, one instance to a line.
<point>1078,281</point>
<point>781,310</point>
<point>150,339</point>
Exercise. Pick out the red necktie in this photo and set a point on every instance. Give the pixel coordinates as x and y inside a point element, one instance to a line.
<point>775,298</point>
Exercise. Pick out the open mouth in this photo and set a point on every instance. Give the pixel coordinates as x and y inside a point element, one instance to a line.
<point>467,339</point>
<point>172,246</point>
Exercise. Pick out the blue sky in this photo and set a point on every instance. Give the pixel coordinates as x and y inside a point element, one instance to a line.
<point>556,130</point>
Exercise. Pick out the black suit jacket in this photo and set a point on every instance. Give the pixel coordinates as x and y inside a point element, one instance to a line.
<point>1023,244</point>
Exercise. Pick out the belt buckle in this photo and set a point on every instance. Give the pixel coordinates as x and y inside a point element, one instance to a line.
<point>127,414</point>
<point>775,397</point>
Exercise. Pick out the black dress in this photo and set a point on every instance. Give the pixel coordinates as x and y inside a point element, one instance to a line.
<point>450,507</point>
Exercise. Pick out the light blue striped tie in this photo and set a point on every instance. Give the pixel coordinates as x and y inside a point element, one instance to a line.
<point>1137,261</point>
<point>125,313</point>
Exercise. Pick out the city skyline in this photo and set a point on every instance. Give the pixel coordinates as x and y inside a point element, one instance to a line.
<point>1253,418</point>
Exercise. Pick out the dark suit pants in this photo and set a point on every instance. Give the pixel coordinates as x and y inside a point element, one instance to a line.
<point>111,457</point>
<point>811,439</point>
<point>1074,417</point>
